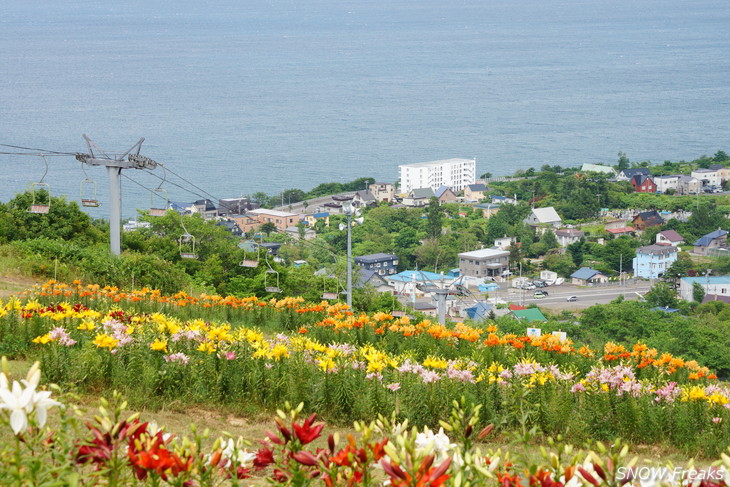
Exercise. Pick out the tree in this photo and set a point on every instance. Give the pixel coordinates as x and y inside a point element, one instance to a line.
<point>486,175</point>
<point>619,253</point>
<point>721,156</point>
<point>434,218</point>
<point>661,295</point>
<point>623,161</point>
<point>268,228</point>
<point>576,251</point>
<point>548,238</point>
<point>698,292</point>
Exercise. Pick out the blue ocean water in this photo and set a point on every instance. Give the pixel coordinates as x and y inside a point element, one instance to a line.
<point>264,95</point>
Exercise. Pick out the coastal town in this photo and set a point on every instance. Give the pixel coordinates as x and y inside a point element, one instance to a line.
<point>539,260</point>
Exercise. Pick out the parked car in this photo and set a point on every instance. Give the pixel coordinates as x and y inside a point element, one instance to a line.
<point>540,283</point>
<point>572,298</point>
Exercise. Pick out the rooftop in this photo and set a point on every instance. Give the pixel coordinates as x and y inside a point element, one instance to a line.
<point>484,253</point>
<point>454,160</point>
<point>265,211</point>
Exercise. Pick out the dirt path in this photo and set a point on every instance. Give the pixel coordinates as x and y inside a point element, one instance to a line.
<point>13,285</point>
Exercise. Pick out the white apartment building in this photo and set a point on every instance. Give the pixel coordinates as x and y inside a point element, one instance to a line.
<point>664,183</point>
<point>454,173</point>
<point>708,177</point>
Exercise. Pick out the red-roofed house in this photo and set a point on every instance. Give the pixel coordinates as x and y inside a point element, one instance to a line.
<point>513,307</point>
<point>617,232</point>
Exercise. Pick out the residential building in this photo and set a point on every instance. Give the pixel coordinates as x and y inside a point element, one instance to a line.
<point>652,261</point>
<point>205,208</point>
<point>231,226</point>
<point>454,173</point>
<point>488,209</point>
<point>647,219</point>
<point>688,185</point>
<point>474,192</point>
<point>643,184</point>
<point>372,278</point>
<point>383,264</point>
<point>669,237</point>
<point>723,173</point>
<point>712,285</point>
<point>568,236</point>
<point>445,195</point>
<point>236,206</point>
<point>543,217</point>
<point>418,197</point>
<point>313,218</point>
<point>586,276</point>
<point>484,263</point>
<point>665,183</point>
<point>627,174</point>
<point>621,231</point>
<point>499,200</point>
<point>480,311</point>
<point>713,240</point>
<point>255,218</point>
<point>504,242</point>
<point>363,198</point>
<point>598,168</point>
<point>708,177</point>
<point>383,192</point>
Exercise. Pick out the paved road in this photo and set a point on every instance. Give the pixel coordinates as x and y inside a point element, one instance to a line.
<point>587,296</point>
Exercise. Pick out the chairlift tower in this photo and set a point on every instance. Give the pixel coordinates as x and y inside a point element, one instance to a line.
<point>114,164</point>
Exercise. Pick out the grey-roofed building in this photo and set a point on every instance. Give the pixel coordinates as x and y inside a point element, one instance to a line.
<point>568,236</point>
<point>587,275</point>
<point>418,197</point>
<point>365,277</point>
<point>445,195</point>
<point>544,216</point>
<point>712,240</point>
<point>364,198</point>
<point>382,263</point>
<point>475,192</point>
<point>484,263</point>
<point>627,174</point>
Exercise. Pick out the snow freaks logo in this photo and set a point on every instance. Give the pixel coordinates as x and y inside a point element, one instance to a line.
<point>677,475</point>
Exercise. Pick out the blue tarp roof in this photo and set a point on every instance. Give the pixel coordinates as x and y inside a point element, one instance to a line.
<point>479,311</point>
<point>489,286</point>
<point>421,276</point>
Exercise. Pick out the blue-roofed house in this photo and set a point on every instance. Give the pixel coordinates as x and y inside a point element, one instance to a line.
<point>480,311</point>
<point>713,240</point>
<point>313,218</point>
<point>587,275</point>
<point>715,285</point>
<point>445,195</point>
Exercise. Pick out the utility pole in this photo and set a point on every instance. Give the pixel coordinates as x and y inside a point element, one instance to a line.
<point>114,165</point>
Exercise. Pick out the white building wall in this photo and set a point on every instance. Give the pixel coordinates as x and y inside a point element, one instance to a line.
<point>663,183</point>
<point>454,173</point>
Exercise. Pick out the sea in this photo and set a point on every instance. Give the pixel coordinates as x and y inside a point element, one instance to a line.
<point>235,97</point>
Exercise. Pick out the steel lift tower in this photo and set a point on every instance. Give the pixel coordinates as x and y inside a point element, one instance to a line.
<point>114,165</point>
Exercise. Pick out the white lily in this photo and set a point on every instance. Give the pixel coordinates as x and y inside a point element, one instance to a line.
<point>19,402</point>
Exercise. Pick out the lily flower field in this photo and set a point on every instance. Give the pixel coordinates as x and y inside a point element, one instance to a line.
<point>255,356</point>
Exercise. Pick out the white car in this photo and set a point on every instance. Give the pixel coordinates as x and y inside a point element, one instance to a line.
<point>572,298</point>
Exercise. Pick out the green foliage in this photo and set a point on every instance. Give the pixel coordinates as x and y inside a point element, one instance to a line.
<point>698,292</point>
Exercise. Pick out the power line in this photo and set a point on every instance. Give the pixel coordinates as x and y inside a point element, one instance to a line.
<point>36,149</point>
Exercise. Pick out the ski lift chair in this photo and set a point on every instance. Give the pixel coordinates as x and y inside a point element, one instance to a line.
<point>269,285</point>
<point>187,251</point>
<point>90,202</point>
<point>158,211</point>
<point>36,206</point>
